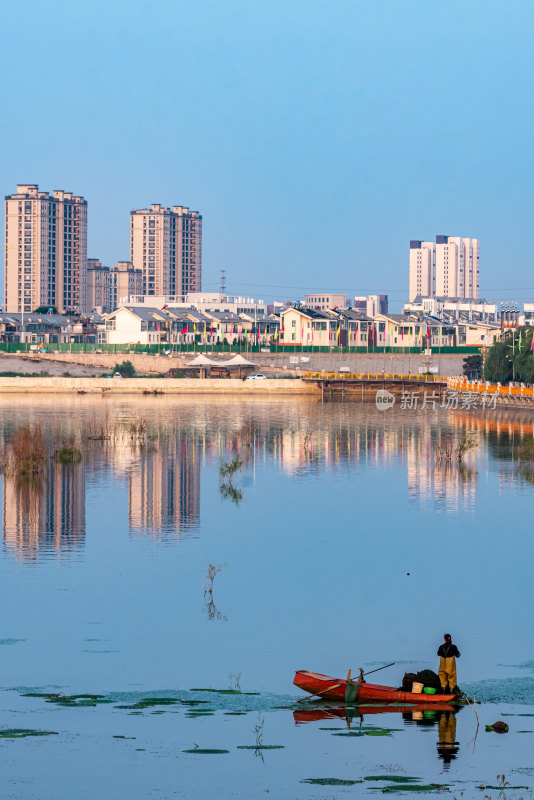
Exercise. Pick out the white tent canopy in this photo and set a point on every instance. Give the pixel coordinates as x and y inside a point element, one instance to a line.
<point>203,361</point>
<point>239,361</point>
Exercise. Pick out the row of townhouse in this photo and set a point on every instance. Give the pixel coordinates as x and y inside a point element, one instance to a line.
<point>35,328</point>
<point>295,326</point>
<point>305,327</point>
<point>175,326</point>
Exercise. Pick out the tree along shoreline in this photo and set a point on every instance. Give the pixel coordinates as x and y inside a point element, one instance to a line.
<point>511,359</point>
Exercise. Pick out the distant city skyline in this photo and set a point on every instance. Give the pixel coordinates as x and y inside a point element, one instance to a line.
<point>315,140</point>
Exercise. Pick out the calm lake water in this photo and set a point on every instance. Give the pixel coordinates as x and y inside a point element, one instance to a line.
<point>343,543</point>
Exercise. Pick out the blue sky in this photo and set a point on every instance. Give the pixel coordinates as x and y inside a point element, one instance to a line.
<point>316,138</point>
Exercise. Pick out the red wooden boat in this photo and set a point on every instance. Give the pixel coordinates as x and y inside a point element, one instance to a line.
<point>351,692</point>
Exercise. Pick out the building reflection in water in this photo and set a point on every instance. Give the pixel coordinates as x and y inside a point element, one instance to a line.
<point>446,485</point>
<point>163,475</point>
<point>164,486</point>
<point>45,516</point>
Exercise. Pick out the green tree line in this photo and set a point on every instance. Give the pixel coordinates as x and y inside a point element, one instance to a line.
<point>512,358</point>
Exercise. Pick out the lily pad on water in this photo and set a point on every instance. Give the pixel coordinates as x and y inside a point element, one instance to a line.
<point>224,691</point>
<point>487,786</point>
<point>70,700</point>
<point>391,778</point>
<point>11,641</point>
<point>150,702</point>
<point>21,733</point>
<point>194,702</point>
<point>204,751</point>
<point>381,732</point>
<point>197,715</point>
<point>235,713</point>
<point>330,782</point>
<point>415,787</point>
<point>350,734</point>
<point>260,746</point>
<point>120,736</point>
<point>517,715</point>
<point>200,711</point>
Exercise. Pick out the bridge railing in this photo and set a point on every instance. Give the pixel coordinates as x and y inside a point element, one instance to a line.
<point>374,376</point>
<point>485,387</point>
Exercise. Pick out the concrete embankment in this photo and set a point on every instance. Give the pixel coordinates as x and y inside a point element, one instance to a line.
<point>115,386</point>
<point>284,363</point>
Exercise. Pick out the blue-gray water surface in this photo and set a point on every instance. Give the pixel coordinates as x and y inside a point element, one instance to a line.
<point>342,542</point>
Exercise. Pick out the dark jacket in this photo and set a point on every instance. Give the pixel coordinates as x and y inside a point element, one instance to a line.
<point>448,651</point>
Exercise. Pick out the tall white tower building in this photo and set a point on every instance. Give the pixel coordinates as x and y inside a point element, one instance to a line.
<point>422,259</point>
<point>450,267</point>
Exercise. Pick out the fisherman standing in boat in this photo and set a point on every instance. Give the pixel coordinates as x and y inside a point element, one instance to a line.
<point>448,653</point>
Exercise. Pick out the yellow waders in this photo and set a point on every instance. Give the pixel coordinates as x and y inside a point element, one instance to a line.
<point>447,672</point>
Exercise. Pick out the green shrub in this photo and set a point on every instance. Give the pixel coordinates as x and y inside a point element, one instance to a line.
<point>126,369</point>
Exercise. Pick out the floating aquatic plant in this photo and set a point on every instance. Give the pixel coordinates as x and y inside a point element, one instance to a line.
<point>21,733</point>
<point>67,455</point>
<point>392,778</point>
<point>217,691</point>
<point>204,751</point>
<point>260,746</point>
<point>330,781</point>
<point>415,787</point>
<point>150,702</point>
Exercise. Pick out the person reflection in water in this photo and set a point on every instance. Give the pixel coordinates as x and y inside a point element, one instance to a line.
<point>447,744</point>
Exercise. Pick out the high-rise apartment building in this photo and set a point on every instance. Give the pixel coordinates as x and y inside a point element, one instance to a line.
<point>457,267</point>
<point>98,286</point>
<point>108,288</point>
<point>45,261</point>
<point>125,282</point>
<point>166,244</point>
<point>422,259</point>
<point>448,267</point>
<point>371,304</point>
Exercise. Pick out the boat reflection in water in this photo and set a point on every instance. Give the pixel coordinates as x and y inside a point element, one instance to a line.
<point>423,715</point>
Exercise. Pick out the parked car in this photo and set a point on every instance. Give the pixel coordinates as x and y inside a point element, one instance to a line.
<point>256,377</point>
<point>117,375</point>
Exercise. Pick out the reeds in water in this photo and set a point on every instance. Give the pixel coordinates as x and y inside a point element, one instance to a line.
<point>26,453</point>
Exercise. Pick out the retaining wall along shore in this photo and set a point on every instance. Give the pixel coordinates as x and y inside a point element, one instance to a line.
<point>146,364</point>
<point>103,386</point>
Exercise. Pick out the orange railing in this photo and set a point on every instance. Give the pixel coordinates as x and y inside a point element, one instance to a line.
<point>484,387</point>
<point>373,376</point>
